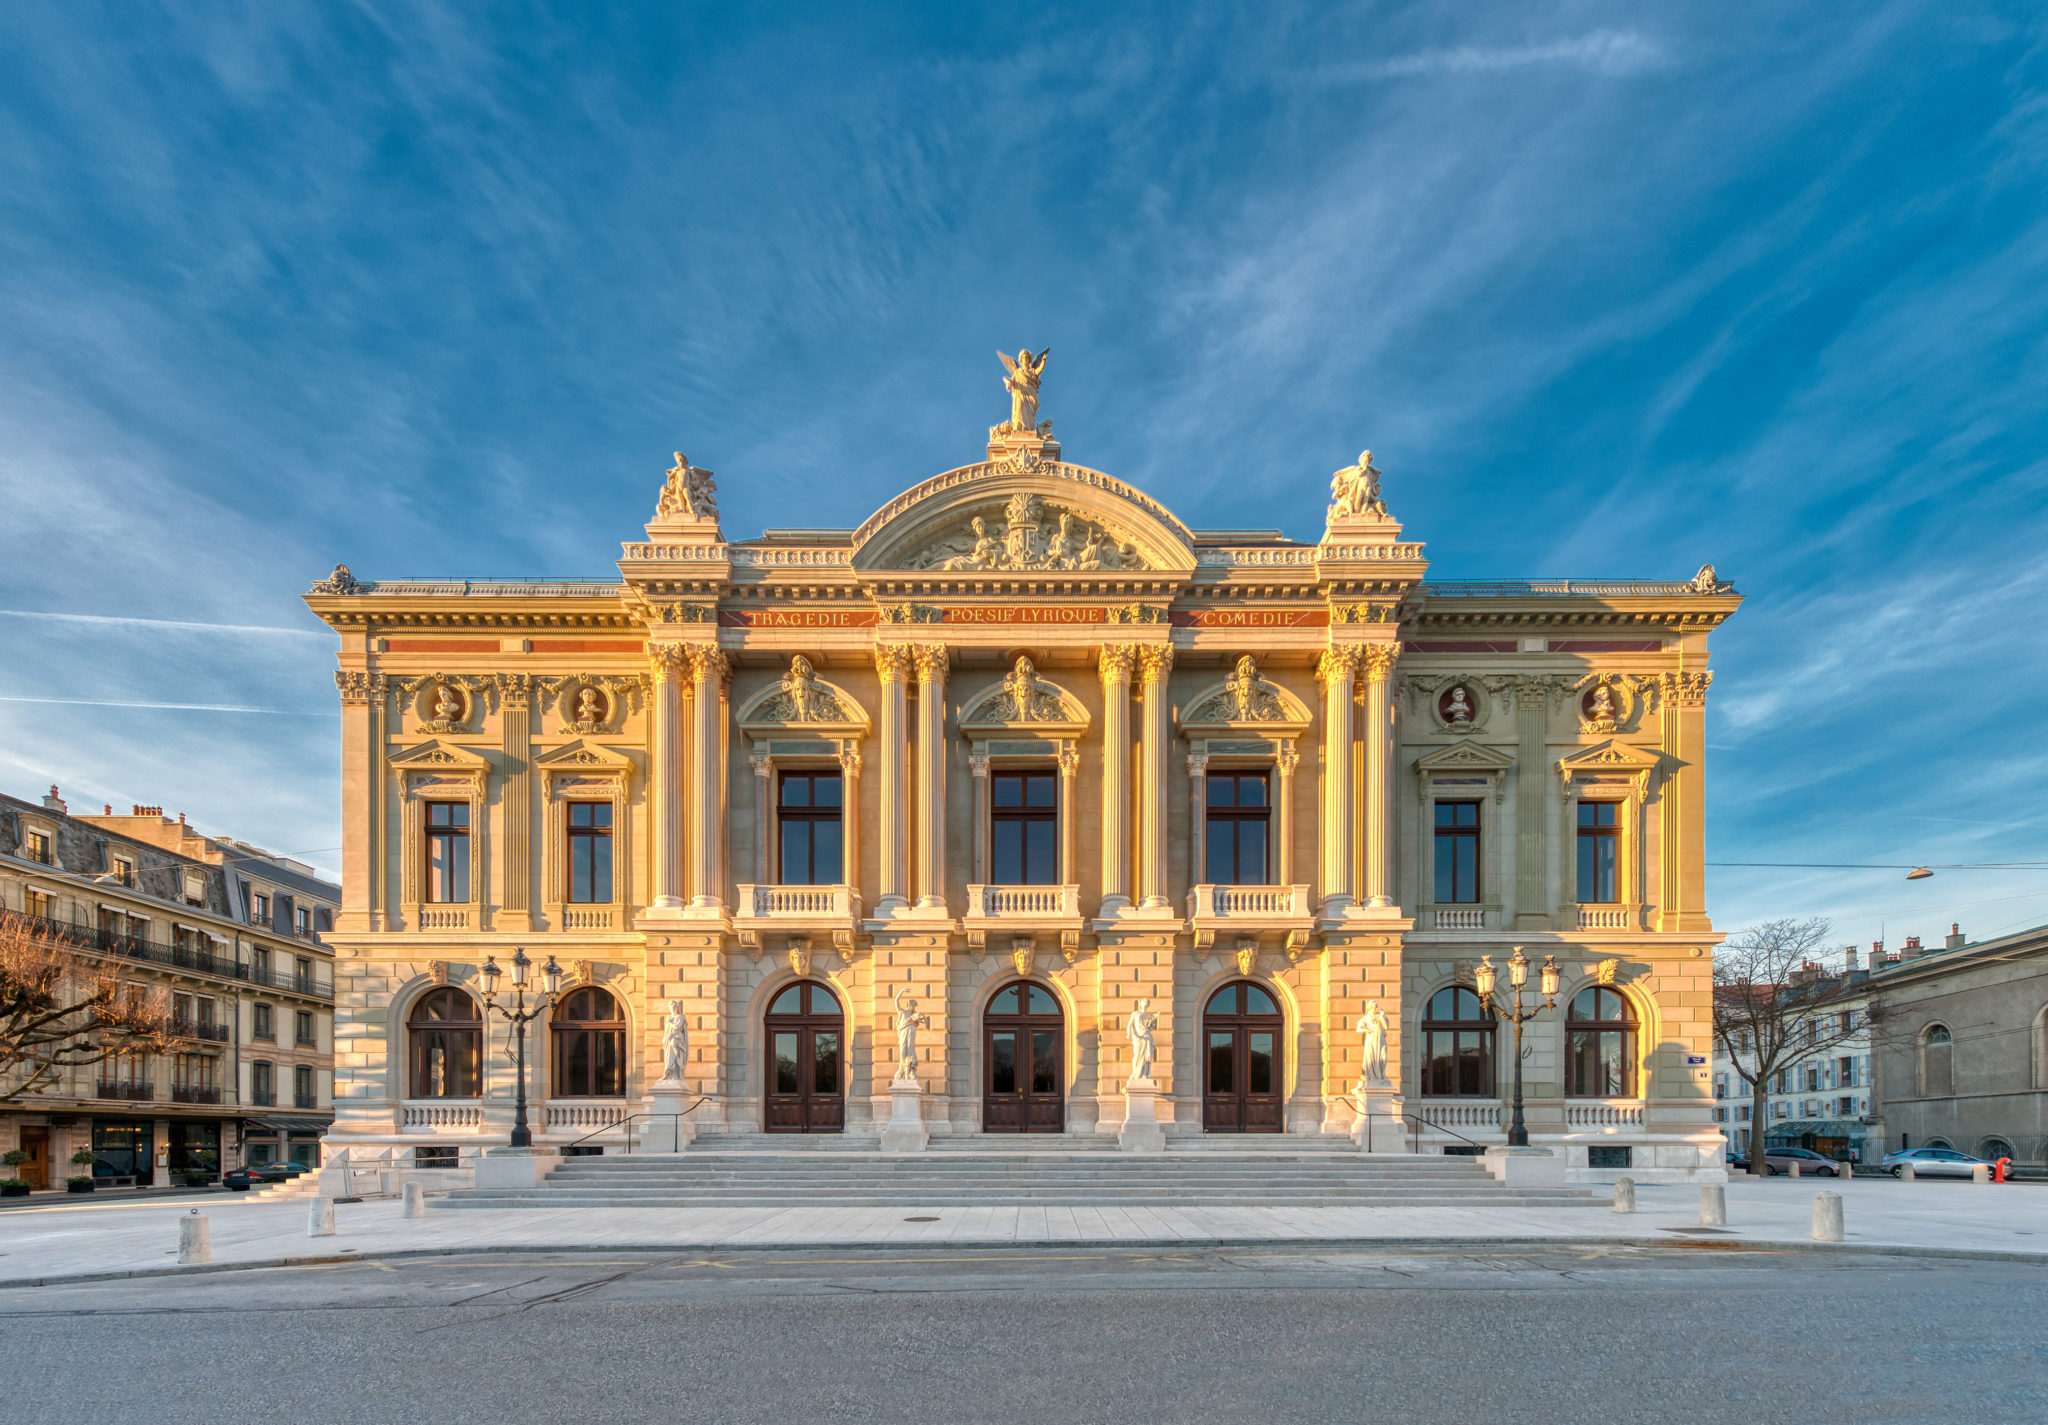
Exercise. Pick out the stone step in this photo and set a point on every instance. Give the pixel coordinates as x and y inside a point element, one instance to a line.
<point>546,1200</point>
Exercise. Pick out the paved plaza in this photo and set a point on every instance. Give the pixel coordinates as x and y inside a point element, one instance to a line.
<point>1310,1333</point>
<point>68,1240</point>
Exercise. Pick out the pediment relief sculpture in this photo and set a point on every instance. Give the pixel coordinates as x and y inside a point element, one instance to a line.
<point>1022,697</point>
<point>803,697</point>
<point>1246,697</point>
<point>1030,535</point>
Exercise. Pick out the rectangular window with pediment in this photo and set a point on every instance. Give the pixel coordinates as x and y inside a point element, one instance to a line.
<point>807,815</point>
<point>1024,828</point>
<point>448,852</point>
<point>1457,853</point>
<point>590,853</point>
<point>1239,816</point>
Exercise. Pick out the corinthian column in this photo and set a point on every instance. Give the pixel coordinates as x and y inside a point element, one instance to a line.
<point>892,662</point>
<point>1379,773</point>
<point>709,670</point>
<point>1155,664</point>
<point>665,782</point>
<point>931,660</point>
<point>1115,667</point>
<point>1336,671</point>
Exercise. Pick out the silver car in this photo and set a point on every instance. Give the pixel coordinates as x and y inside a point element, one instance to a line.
<point>1933,1163</point>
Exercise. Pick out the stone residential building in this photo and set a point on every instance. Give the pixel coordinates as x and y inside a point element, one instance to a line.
<point>236,937</point>
<point>1821,1101</point>
<point>1962,1048</point>
<point>1096,791</point>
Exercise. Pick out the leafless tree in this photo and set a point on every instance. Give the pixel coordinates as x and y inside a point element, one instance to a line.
<point>1776,1007</point>
<point>60,1009</point>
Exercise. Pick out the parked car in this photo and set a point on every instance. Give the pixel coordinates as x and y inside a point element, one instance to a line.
<point>259,1174</point>
<point>1780,1160</point>
<point>1933,1163</point>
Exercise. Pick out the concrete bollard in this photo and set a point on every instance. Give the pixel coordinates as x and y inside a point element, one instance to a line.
<point>1845,1169</point>
<point>1795,1168</point>
<point>1827,1217</point>
<point>412,1202</point>
<point>1981,1173</point>
<point>1905,1172</point>
<point>320,1217</point>
<point>1713,1205</point>
<point>195,1238</point>
<point>1624,1194</point>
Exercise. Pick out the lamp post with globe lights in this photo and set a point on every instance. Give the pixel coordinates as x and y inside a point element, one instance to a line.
<point>519,1016</point>
<point>1518,975</point>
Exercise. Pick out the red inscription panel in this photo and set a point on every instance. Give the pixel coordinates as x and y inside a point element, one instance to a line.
<point>441,645</point>
<point>1251,618</point>
<point>798,618</point>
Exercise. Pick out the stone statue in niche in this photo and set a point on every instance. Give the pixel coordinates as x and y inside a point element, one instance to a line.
<point>1355,492</point>
<point>908,1022</point>
<point>1372,1035</point>
<point>688,491</point>
<point>590,711</point>
<point>675,1043</point>
<point>1457,707</point>
<point>1139,1028</point>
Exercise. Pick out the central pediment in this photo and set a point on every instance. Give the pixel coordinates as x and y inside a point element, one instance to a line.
<point>1025,514</point>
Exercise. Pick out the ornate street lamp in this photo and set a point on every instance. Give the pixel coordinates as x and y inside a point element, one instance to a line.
<point>1518,975</point>
<point>519,1016</point>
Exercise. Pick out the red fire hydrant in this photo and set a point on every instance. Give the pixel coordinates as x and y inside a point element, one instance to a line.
<point>1998,1170</point>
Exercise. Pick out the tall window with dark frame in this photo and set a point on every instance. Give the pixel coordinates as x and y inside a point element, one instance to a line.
<point>590,853</point>
<point>1240,815</point>
<point>590,1046</point>
<point>1024,828</point>
<point>1600,1045</point>
<point>807,809</point>
<point>446,1033</point>
<point>448,851</point>
<point>1599,851</point>
<point>1457,1046</point>
<point>1457,852</point>
<point>263,1084</point>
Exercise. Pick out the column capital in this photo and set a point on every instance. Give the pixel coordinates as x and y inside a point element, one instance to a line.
<point>671,662</point>
<point>1155,661</point>
<point>1379,660</point>
<point>1069,758</point>
<point>932,660</point>
<point>1287,759</point>
<point>1686,689</point>
<point>708,663</point>
<point>762,763</point>
<point>1198,764</point>
<point>892,662</point>
<point>849,762</point>
<point>1115,661</point>
<point>977,764</point>
<point>1339,664</point>
<point>358,688</point>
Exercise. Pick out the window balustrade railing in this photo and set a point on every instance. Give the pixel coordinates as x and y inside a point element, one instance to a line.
<point>1458,918</point>
<point>1220,902</point>
<point>192,1029</point>
<point>179,957</point>
<point>766,902</point>
<point>442,1115</point>
<point>1607,917</point>
<point>987,902</point>
<point>588,917</point>
<point>195,1093</point>
<point>1604,1113</point>
<point>136,1089</point>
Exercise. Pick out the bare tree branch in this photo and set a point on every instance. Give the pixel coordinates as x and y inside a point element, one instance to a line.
<point>60,1009</point>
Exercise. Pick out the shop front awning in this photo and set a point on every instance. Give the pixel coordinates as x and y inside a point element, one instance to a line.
<point>1818,1127</point>
<point>286,1124</point>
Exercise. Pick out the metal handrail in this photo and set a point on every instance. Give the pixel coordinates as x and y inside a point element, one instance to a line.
<point>632,1118</point>
<point>1418,1123</point>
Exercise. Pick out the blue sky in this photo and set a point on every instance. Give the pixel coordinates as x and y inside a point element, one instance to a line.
<point>1609,289</point>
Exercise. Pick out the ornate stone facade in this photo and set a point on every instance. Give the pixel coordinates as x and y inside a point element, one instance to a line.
<point>1024,724</point>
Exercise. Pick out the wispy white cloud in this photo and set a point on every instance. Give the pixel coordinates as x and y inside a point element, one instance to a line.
<point>1607,52</point>
<point>168,625</point>
<point>174,707</point>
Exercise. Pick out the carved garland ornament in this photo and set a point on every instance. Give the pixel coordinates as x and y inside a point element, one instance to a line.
<point>1246,697</point>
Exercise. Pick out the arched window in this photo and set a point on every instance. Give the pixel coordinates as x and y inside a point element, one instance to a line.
<point>1992,1149</point>
<point>590,1046</point>
<point>1600,1045</point>
<point>447,1035</point>
<point>1457,1046</point>
<point>1937,1064</point>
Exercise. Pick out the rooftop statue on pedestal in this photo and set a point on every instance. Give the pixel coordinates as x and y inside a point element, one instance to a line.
<point>1355,492</point>
<point>1025,372</point>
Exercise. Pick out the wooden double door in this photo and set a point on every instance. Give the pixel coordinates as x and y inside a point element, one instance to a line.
<point>1241,1069</point>
<point>805,1080</point>
<point>1024,1057</point>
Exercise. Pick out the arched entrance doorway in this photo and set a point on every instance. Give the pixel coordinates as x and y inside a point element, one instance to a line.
<point>806,1070</point>
<point>1023,1042</point>
<point>1241,1031</point>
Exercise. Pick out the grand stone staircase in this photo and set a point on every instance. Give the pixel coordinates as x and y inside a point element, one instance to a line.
<point>840,1170</point>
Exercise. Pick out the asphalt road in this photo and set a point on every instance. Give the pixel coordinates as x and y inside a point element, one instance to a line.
<point>1262,1335</point>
